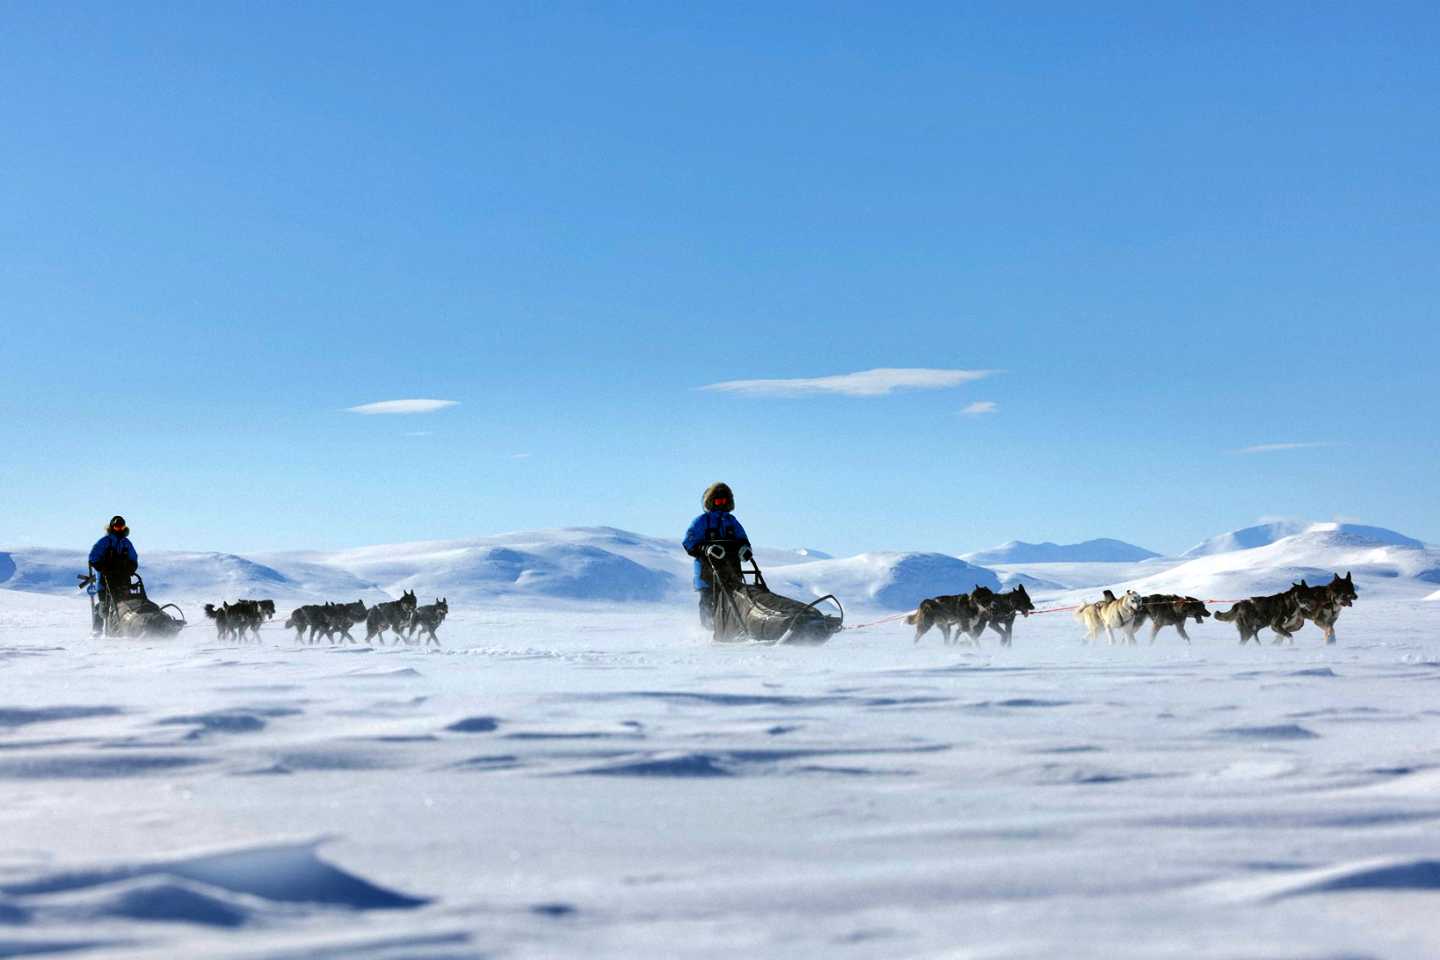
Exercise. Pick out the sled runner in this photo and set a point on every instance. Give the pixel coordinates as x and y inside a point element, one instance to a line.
<point>746,610</point>
<point>126,611</point>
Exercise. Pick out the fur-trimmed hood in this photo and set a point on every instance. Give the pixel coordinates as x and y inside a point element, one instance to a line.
<point>714,490</point>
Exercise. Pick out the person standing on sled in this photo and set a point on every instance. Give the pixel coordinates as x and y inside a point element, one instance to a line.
<point>716,523</point>
<point>113,559</point>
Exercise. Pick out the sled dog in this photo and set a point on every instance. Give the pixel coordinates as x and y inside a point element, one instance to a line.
<point>1109,614</point>
<point>999,610</point>
<point>1166,610</point>
<point>1323,604</point>
<point>221,616</point>
<point>310,617</point>
<point>953,611</point>
<point>391,615</point>
<point>1279,611</point>
<point>428,619</point>
<point>249,615</point>
<point>340,617</point>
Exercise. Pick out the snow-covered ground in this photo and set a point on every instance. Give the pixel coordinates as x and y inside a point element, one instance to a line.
<point>593,777</point>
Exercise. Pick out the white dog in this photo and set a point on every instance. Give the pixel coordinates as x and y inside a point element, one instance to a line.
<point>1109,614</point>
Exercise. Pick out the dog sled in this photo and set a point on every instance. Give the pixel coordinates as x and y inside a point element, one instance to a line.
<point>124,610</point>
<point>747,611</point>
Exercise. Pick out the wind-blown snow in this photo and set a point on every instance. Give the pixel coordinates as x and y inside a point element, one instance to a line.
<point>602,781</point>
<point>569,776</point>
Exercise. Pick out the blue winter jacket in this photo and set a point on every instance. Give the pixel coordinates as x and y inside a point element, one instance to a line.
<point>108,546</point>
<point>711,525</point>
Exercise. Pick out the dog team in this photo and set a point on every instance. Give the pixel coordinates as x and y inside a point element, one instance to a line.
<point>403,618</point>
<point>1283,613</point>
<point>966,614</point>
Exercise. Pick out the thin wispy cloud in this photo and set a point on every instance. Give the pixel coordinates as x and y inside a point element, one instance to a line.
<point>980,407</point>
<point>1276,447</point>
<point>519,456</point>
<point>865,383</point>
<point>401,407</point>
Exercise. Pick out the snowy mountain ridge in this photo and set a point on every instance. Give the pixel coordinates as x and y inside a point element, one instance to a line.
<point>1262,535</point>
<point>579,564</point>
<point>1383,561</point>
<point>1101,550</point>
<point>609,565</point>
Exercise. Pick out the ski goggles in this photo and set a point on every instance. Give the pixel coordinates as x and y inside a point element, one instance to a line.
<point>721,501</point>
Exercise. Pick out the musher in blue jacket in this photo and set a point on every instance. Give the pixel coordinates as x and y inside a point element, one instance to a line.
<point>114,559</point>
<point>716,523</point>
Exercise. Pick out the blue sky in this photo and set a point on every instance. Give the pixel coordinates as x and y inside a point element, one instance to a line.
<point>1167,232</point>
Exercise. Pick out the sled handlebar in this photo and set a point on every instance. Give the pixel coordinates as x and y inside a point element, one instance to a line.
<point>716,551</point>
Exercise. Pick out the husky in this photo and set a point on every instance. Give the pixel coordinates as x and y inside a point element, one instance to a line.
<point>391,615</point>
<point>1280,612</point>
<point>249,615</point>
<point>999,610</point>
<point>428,618</point>
<point>340,617</point>
<point>1166,610</point>
<point>954,611</point>
<point>224,629</point>
<point>311,617</point>
<point>1323,604</point>
<point>1108,614</point>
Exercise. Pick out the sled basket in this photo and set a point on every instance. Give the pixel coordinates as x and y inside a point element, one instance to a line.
<point>747,610</point>
<point>129,612</point>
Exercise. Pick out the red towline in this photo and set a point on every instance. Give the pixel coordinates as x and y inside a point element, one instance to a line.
<point>1032,613</point>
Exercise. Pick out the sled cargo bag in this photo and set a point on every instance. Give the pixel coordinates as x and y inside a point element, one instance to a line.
<point>754,613</point>
<point>746,609</point>
<point>131,613</point>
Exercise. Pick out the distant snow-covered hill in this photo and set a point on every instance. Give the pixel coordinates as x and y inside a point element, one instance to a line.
<point>608,565</point>
<point>1265,534</point>
<point>1248,538</point>
<point>599,563</point>
<point>174,573</point>
<point>894,581</point>
<point>586,564</point>
<point>1103,550</point>
<point>1382,561</point>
